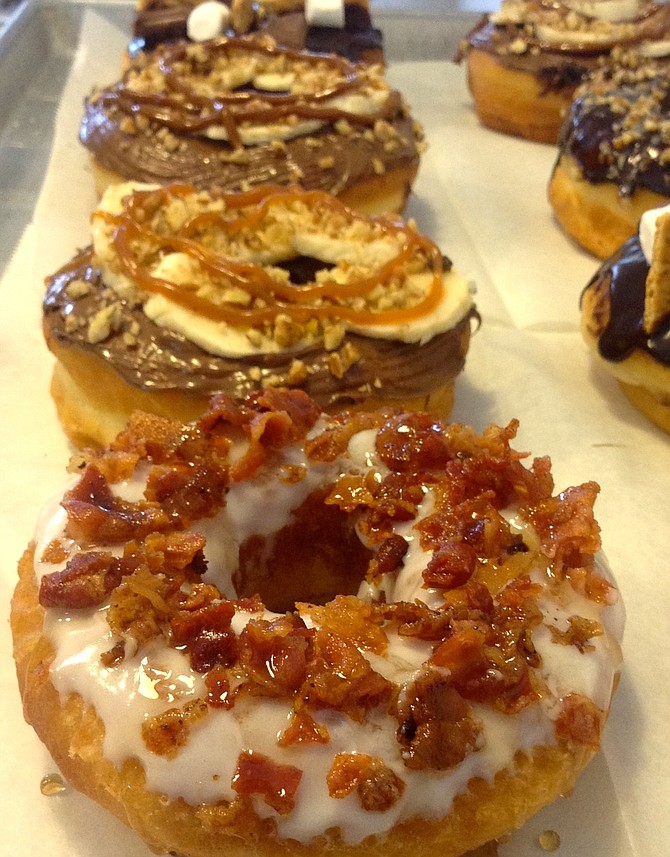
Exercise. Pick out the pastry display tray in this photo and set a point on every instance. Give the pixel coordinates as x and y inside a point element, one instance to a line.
<point>482,197</point>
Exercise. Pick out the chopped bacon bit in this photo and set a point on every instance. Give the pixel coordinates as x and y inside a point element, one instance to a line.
<point>332,442</point>
<point>412,441</point>
<point>579,723</point>
<point>566,526</point>
<point>303,729</point>
<point>218,688</point>
<point>276,784</point>
<point>166,733</point>
<point>86,580</point>
<point>345,773</point>
<point>96,516</point>
<point>417,620</point>
<point>461,654</point>
<point>436,726</point>
<point>188,492</point>
<point>452,565</point>
<point>339,677</point>
<point>578,633</point>
<point>378,787</point>
<point>56,551</point>
<point>388,558</point>
<point>188,624</point>
<point>352,619</point>
<point>273,655</point>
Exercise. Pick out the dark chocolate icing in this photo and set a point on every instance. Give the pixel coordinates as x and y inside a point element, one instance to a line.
<point>624,276</point>
<point>159,359</point>
<point>628,109</point>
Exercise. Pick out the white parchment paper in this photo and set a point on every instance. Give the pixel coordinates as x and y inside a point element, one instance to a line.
<point>482,197</point>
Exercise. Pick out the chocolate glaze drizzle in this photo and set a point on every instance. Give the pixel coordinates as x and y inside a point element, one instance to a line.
<point>624,331</point>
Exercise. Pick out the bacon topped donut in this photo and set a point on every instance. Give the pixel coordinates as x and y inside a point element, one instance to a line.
<point>525,61</point>
<point>184,294</point>
<point>613,162</point>
<point>273,632</point>
<point>233,113</point>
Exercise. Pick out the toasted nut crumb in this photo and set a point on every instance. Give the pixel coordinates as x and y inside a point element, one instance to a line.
<point>78,289</point>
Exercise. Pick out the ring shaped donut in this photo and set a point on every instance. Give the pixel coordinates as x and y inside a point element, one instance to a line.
<point>285,633</point>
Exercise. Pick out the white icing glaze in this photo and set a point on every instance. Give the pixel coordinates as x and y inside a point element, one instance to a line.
<point>156,678</point>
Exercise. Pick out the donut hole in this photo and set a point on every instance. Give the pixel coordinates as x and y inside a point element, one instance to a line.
<point>315,557</point>
<point>303,269</point>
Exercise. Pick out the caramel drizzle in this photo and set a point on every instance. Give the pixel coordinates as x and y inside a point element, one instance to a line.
<point>299,302</point>
<point>181,109</point>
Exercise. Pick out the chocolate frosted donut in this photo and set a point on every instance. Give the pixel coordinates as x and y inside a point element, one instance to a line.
<point>158,21</point>
<point>525,61</point>
<point>233,113</point>
<point>273,287</point>
<point>613,162</point>
<point>626,317</point>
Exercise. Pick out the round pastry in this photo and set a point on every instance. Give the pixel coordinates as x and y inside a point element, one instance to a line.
<point>269,632</point>
<point>233,113</point>
<point>613,161</point>
<point>184,294</point>
<point>343,27</point>
<point>626,317</point>
<point>525,61</point>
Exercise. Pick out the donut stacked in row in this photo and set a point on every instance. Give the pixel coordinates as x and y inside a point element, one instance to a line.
<point>283,606</point>
<point>593,79</point>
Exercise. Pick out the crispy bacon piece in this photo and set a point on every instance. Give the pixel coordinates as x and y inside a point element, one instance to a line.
<point>166,733</point>
<point>332,442</point>
<point>388,558</point>
<point>339,677</point>
<point>436,728</point>
<point>96,516</point>
<point>276,784</point>
<point>351,618</point>
<point>206,634</point>
<point>272,419</point>
<point>188,492</point>
<point>452,565</point>
<point>566,526</point>
<point>274,654</point>
<point>411,442</point>
<point>578,633</point>
<point>378,787</point>
<point>580,722</point>
<point>303,729</point>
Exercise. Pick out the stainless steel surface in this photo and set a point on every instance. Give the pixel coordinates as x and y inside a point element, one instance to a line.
<point>38,39</point>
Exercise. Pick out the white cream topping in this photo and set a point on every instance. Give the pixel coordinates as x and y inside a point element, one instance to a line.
<point>647,230</point>
<point>157,678</point>
<point>207,21</point>
<point>298,238</point>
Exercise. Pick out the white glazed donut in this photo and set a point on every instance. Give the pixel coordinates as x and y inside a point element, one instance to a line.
<point>271,632</point>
